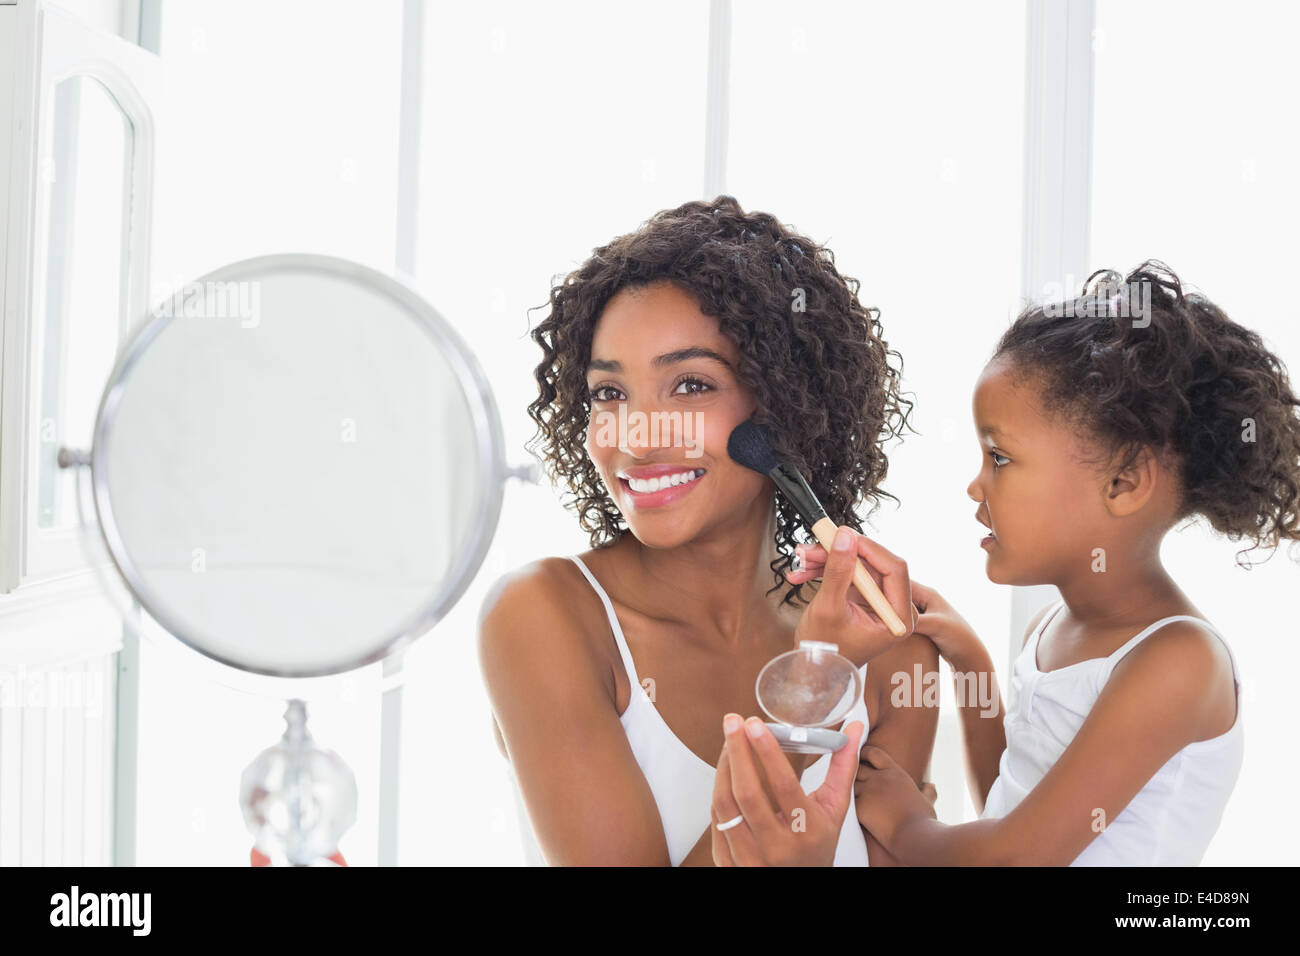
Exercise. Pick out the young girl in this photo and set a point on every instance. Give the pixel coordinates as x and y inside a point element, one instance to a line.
<point>1102,426</point>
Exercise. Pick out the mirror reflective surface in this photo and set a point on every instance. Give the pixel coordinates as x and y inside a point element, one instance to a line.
<point>296,465</point>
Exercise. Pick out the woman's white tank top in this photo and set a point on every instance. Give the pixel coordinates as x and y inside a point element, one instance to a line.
<point>1172,818</point>
<point>682,783</point>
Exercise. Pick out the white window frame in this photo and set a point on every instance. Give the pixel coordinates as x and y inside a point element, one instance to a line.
<point>52,46</point>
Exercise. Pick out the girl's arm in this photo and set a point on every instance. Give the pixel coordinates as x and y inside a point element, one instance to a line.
<point>983,731</point>
<point>902,723</point>
<point>587,799</point>
<point>975,685</point>
<point>1157,701</point>
<point>983,718</point>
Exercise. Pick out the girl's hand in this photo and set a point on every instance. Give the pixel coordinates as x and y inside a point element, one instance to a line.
<point>781,825</point>
<point>945,628</point>
<point>886,797</point>
<point>838,613</point>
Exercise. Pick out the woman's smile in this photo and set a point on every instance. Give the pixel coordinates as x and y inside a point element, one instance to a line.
<point>654,486</point>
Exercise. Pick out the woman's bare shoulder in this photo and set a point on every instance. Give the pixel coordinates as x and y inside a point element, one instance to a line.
<point>545,590</point>
<point>538,646</point>
<point>547,602</point>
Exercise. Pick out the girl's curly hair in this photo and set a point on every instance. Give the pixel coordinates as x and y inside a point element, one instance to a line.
<point>826,382</point>
<point>1140,363</point>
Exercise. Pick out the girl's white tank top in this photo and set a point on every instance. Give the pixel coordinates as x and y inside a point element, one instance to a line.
<point>1172,818</point>
<point>682,783</point>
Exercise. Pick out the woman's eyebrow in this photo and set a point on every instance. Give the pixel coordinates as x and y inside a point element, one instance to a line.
<point>668,358</point>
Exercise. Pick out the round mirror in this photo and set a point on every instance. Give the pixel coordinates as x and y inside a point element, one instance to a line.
<point>297,465</point>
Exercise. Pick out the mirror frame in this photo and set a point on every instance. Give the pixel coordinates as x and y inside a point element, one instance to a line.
<point>478,395</point>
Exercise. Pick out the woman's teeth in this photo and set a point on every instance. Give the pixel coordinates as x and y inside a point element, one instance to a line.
<point>648,485</point>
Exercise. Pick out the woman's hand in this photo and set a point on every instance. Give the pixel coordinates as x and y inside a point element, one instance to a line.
<point>945,628</point>
<point>779,824</point>
<point>838,614</point>
<point>886,797</point>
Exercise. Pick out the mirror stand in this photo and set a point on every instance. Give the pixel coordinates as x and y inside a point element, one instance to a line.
<point>298,799</point>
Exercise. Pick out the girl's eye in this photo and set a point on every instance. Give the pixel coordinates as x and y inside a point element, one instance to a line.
<point>998,460</point>
<point>600,393</point>
<point>703,386</point>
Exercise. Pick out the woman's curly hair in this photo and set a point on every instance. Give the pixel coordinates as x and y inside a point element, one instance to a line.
<point>826,382</point>
<point>1140,363</point>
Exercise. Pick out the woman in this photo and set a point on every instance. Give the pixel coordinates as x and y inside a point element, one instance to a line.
<point>609,672</point>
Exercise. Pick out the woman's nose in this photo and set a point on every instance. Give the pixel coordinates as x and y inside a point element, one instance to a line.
<point>647,428</point>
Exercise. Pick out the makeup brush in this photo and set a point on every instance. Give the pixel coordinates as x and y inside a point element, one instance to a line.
<point>750,446</point>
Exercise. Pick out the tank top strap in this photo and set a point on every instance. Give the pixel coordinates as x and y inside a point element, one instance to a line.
<point>1031,646</point>
<point>617,628</point>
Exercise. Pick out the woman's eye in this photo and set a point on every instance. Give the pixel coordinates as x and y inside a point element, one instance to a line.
<point>998,460</point>
<point>694,386</point>
<point>687,386</point>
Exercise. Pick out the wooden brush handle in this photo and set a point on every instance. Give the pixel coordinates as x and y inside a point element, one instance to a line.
<point>825,530</point>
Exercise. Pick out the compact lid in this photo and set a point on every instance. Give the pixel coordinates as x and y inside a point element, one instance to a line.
<point>810,686</point>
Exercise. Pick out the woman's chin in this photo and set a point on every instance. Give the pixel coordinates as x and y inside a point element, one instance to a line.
<point>661,535</point>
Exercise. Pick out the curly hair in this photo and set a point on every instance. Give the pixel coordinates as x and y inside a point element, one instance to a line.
<point>826,382</point>
<point>1140,363</point>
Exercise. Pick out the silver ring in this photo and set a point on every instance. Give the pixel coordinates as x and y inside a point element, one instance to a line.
<point>736,821</point>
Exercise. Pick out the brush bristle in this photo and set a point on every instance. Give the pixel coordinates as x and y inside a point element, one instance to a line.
<point>750,446</point>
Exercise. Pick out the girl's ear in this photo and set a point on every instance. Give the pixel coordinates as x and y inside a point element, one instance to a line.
<point>1132,486</point>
